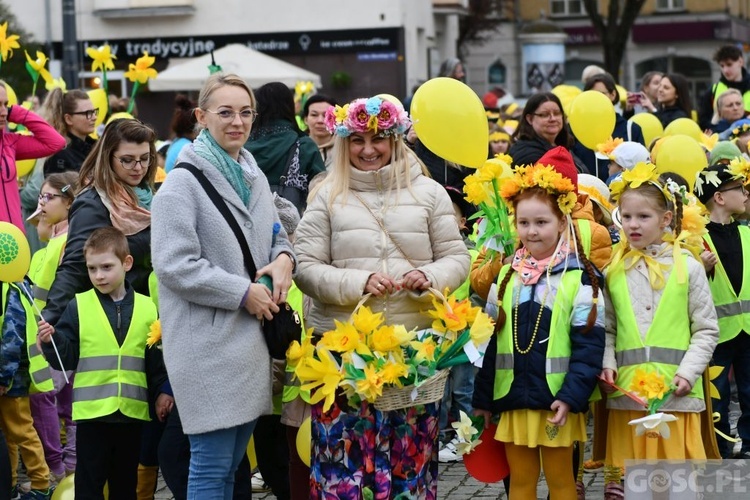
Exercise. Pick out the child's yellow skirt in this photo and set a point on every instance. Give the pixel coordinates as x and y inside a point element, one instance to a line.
<point>684,442</point>
<point>530,428</point>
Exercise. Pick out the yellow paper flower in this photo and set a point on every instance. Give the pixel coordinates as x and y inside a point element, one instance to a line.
<point>482,329</point>
<point>740,169</point>
<point>391,373</point>
<point>322,374</point>
<point>542,176</point>
<point>365,321</point>
<point>640,174</point>
<point>476,192</point>
<point>425,349</point>
<point>56,83</point>
<point>343,338</point>
<point>452,315</point>
<point>714,372</point>
<point>607,147</point>
<point>297,351</point>
<point>302,88</point>
<point>648,385</point>
<point>141,71</point>
<point>372,385</point>
<point>103,58</point>
<point>39,64</point>
<point>154,333</point>
<point>7,42</point>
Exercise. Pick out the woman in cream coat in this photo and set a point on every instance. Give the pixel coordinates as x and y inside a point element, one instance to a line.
<point>376,225</point>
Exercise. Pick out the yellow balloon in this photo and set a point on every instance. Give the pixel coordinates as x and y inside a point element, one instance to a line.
<point>65,489</point>
<point>592,118</point>
<point>12,97</point>
<point>14,253</point>
<point>683,155</point>
<point>251,454</point>
<point>304,441</point>
<point>119,116</point>
<point>449,119</point>
<point>23,167</point>
<point>566,94</point>
<point>650,126</point>
<point>622,91</point>
<point>684,126</point>
<point>101,102</point>
<point>391,98</point>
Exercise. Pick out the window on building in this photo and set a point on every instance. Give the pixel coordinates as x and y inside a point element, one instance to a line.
<point>670,4</point>
<point>566,8</point>
<point>496,73</point>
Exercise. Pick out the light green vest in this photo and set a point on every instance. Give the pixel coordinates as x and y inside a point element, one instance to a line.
<point>42,272</point>
<point>667,339</point>
<point>111,377</point>
<point>558,345</point>
<point>733,311</point>
<point>39,370</point>
<point>463,291</point>
<point>295,299</point>
<point>584,231</point>
<point>720,87</point>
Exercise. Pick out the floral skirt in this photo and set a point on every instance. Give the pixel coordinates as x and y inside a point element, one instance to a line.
<point>390,453</point>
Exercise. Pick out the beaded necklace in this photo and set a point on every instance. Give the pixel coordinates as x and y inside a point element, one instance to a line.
<point>538,318</point>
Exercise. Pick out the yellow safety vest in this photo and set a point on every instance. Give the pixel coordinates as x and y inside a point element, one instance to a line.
<point>111,377</point>
<point>721,87</point>
<point>295,299</point>
<point>43,273</point>
<point>667,339</point>
<point>733,311</point>
<point>584,231</point>
<point>39,370</point>
<point>153,289</point>
<point>558,345</point>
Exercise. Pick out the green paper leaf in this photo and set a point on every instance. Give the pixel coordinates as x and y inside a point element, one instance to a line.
<point>32,72</point>
<point>214,68</point>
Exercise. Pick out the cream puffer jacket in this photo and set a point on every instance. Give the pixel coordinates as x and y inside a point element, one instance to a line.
<point>704,324</point>
<point>338,248</point>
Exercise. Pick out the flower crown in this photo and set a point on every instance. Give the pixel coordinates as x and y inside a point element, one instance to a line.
<point>545,177</point>
<point>365,115</point>
<point>606,148</point>
<point>642,173</point>
<point>499,136</point>
<point>740,169</point>
<point>738,131</point>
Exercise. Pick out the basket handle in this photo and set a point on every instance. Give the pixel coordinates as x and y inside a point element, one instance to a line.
<point>442,298</point>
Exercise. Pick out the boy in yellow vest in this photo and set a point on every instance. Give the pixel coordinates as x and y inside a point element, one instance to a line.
<point>22,370</point>
<point>728,246</point>
<point>102,335</point>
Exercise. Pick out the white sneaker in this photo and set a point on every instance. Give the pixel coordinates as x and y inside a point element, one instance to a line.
<point>448,452</point>
<point>259,485</point>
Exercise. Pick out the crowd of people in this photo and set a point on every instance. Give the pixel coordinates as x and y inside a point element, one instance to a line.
<point>244,213</point>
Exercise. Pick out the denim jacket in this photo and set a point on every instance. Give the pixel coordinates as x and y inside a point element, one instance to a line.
<point>14,359</point>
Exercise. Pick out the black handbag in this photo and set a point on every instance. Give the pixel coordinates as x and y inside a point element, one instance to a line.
<point>285,326</point>
<point>296,195</point>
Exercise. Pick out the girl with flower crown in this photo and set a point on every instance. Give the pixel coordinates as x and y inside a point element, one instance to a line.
<point>376,225</point>
<point>660,318</point>
<point>541,365</point>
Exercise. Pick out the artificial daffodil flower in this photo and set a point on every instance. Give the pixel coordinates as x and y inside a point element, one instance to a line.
<point>371,386</point>
<point>653,425</point>
<point>465,431</point>
<point>322,374</point>
<point>54,83</point>
<point>141,71</point>
<point>103,58</point>
<point>154,333</point>
<point>7,42</point>
<point>482,329</point>
<point>38,66</point>
<point>365,321</point>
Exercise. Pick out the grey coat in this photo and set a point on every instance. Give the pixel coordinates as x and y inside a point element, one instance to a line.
<point>216,357</point>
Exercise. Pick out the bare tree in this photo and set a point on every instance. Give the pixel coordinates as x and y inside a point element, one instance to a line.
<point>615,30</point>
<point>484,18</point>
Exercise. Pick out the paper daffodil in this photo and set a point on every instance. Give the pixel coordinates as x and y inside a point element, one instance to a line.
<point>37,66</point>
<point>653,425</point>
<point>141,71</point>
<point>467,434</point>
<point>7,42</point>
<point>323,374</point>
<point>103,58</point>
<point>55,83</point>
<point>154,333</point>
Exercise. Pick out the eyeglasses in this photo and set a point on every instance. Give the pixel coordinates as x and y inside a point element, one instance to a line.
<point>548,115</point>
<point>744,190</point>
<point>130,163</point>
<point>227,115</point>
<point>45,198</point>
<point>89,113</point>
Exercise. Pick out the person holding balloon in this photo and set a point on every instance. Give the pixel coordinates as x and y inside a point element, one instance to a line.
<point>74,116</point>
<point>376,226</point>
<point>44,141</point>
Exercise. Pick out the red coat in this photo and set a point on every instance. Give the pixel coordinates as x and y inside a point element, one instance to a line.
<point>45,141</point>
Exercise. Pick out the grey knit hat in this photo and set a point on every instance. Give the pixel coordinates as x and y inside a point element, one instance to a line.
<point>288,213</point>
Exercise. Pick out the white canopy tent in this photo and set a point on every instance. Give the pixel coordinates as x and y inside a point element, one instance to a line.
<point>254,67</point>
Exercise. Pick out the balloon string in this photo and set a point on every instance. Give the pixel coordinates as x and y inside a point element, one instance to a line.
<point>39,313</point>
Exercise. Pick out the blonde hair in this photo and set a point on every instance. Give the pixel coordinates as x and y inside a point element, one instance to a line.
<point>219,80</point>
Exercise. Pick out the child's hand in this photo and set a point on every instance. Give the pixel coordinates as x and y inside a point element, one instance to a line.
<point>45,332</point>
<point>609,377</point>
<point>163,406</point>
<point>561,409</point>
<point>709,259</point>
<point>485,414</point>
<point>682,386</point>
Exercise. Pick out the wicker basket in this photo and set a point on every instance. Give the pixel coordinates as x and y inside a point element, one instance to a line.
<point>429,391</point>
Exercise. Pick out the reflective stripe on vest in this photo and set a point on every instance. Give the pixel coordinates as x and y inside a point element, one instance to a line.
<point>111,377</point>
<point>667,339</point>
<point>558,345</point>
<point>584,231</point>
<point>720,87</point>
<point>39,370</point>
<point>43,274</point>
<point>733,310</point>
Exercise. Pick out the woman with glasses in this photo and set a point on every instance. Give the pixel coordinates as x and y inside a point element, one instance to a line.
<point>211,308</point>
<point>74,116</point>
<point>44,141</point>
<point>280,147</point>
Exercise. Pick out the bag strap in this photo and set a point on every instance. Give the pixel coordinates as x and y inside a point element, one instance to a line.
<point>292,151</point>
<point>221,205</point>
<point>380,223</point>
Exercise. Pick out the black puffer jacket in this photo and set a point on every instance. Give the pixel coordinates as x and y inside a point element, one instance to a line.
<point>70,158</point>
<point>670,114</point>
<point>440,170</point>
<point>529,151</point>
<point>87,214</point>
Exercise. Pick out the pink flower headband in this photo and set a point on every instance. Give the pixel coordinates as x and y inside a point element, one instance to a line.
<point>364,115</point>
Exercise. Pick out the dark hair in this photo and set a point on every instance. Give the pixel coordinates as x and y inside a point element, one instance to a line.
<point>542,194</point>
<point>183,119</point>
<point>727,53</point>
<point>107,239</point>
<point>682,88</point>
<point>65,182</point>
<point>121,105</point>
<point>526,132</point>
<point>609,84</point>
<point>314,99</point>
<point>675,177</point>
<point>648,76</point>
<point>275,102</point>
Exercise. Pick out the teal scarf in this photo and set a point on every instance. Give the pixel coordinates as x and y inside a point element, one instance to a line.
<point>207,148</point>
<point>145,195</point>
